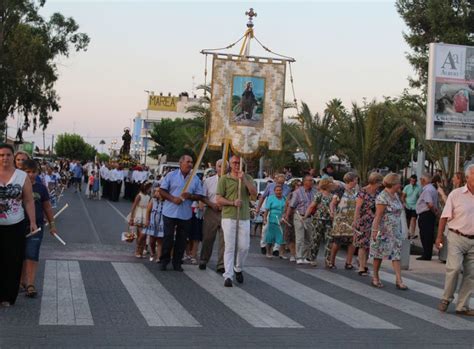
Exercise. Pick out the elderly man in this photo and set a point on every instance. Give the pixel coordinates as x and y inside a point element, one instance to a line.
<point>227,195</point>
<point>300,202</point>
<point>427,210</point>
<point>212,222</point>
<point>177,211</point>
<point>458,214</point>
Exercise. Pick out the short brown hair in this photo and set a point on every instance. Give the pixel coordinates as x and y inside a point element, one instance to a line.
<point>325,184</point>
<point>349,177</point>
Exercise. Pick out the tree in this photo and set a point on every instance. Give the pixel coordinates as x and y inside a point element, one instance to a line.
<point>73,146</point>
<point>311,135</point>
<point>29,50</point>
<point>365,135</point>
<point>103,157</point>
<point>449,21</point>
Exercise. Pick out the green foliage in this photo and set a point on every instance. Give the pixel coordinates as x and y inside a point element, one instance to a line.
<point>30,46</point>
<point>103,157</point>
<point>449,21</point>
<point>73,146</point>
<point>177,137</point>
<point>310,134</point>
<point>367,135</point>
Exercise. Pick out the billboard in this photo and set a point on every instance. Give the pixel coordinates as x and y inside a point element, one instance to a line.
<point>450,110</point>
<point>162,103</point>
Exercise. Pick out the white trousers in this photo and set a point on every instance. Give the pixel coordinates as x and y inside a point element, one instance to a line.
<point>229,227</point>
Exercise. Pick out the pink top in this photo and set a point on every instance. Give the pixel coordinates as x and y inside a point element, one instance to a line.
<point>459,210</point>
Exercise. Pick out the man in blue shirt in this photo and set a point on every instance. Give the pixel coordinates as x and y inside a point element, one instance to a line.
<point>177,211</point>
<point>77,173</point>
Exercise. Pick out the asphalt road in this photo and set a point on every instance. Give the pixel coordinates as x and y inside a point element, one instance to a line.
<point>94,293</point>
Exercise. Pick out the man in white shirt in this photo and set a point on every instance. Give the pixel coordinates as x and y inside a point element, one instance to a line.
<point>212,222</point>
<point>116,178</point>
<point>104,177</point>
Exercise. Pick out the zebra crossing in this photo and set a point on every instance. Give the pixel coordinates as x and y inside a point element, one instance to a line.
<point>64,298</point>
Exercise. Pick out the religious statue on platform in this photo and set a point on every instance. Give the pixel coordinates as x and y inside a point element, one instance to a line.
<point>127,139</point>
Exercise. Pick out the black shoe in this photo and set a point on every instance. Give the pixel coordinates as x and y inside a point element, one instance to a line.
<point>220,270</point>
<point>163,266</point>
<point>423,259</point>
<point>276,253</point>
<point>228,282</point>
<point>202,266</point>
<point>263,250</point>
<point>239,277</point>
<point>178,268</point>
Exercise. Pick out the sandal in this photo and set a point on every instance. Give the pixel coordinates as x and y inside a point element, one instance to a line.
<point>31,291</point>
<point>401,286</point>
<point>376,283</point>
<point>330,265</point>
<point>363,273</point>
<point>348,266</point>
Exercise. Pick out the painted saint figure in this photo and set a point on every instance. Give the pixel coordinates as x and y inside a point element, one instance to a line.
<point>248,101</point>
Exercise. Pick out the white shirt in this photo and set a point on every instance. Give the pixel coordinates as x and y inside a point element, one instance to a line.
<point>136,176</point>
<point>210,187</point>
<point>104,172</point>
<point>459,210</point>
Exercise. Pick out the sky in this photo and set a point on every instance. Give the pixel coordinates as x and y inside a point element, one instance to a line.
<point>349,50</point>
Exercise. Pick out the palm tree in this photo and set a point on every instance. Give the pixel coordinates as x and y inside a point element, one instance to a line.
<point>203,109</point>
<point>311,134</point>
<point>365,135</point>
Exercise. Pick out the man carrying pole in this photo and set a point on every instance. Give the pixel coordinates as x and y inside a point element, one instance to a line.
<point>233,194</point>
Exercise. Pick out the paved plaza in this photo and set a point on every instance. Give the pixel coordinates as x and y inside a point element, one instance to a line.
<point>93,292</point>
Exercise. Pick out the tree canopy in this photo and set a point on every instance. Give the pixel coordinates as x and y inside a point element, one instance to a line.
<point>73,146</point>
<point>449,21</point>
<point>30,46</point>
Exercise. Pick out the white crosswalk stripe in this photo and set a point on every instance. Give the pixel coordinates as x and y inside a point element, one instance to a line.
<point>64,300</point>
<point>317,300</point>
<point>255,312</point>
<point>155,303</point>
<point>417,286</point>
<point>399,303</point>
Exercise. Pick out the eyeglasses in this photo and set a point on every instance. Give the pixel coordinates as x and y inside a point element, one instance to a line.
<point>235,162</point>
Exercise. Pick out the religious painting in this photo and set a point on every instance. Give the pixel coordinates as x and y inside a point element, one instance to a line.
<point>248,95</point>
<point>247,103</point>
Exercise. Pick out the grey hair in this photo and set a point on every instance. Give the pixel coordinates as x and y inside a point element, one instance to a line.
<point>469,169</point>
<point>427,176</point>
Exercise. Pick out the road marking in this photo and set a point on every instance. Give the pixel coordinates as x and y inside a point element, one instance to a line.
<point>417,286</point>
<point>399,303</point>
<point>89,218</point>
<point>64,299</point>
<point>252,310</point>
<point>343,312</point>
<point>118,211</point>
<point>156,304</point>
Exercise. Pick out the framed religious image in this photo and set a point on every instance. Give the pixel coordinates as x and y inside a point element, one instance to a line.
<point>247,103</point>
<point>248,96</point>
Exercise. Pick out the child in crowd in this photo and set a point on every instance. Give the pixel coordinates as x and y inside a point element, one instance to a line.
<point>96,185</point>
<point>154,225</point>
<point>91,184</point>
<point>138,216</point>
<point>33,243</point>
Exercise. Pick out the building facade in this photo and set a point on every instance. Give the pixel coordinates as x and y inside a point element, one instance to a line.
<point>159,107</point>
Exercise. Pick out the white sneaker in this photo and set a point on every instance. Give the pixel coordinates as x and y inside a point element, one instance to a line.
<point>283,257</point>
<point>302,261</point>
<point>292,259</point>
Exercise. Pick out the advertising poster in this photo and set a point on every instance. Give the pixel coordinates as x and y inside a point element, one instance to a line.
<point>450,112</point>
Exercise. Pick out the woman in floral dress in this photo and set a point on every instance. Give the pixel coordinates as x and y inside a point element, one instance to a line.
<point>363,218</point>
<point>343,209</point>
<point>322,221</point>
<point>387,230</point>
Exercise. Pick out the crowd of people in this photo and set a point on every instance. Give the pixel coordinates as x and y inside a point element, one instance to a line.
<point>177,218</point>
<point>294,219</point>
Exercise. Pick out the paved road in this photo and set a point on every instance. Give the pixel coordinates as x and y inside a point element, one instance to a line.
<point>93,292</point>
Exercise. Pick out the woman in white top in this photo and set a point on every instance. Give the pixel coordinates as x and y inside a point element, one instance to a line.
<point>16,196</point>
